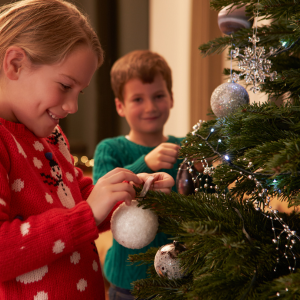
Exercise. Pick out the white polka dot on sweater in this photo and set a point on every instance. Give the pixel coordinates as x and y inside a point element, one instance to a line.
<point>25,228</point>
<point>37,163</point>
<point>69,176</point>
<point>33,276</point>
<point>75,257</point>
<point>95,266</point>
<point>58,247</point>
<point>81,285</point>
<point>76,172</point>
<point>38,146</point>
<point>2,202</point>
<point>49,198</point>
<point>20,149</point>
<point>41,296</point>
<point>18,185</point>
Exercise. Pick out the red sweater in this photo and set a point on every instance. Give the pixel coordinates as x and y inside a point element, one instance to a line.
<point>47,231</point>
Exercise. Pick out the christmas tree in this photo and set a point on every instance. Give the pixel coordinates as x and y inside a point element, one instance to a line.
<point>230,242</point>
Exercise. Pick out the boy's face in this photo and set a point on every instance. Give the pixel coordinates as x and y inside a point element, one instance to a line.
<point>146,106</point>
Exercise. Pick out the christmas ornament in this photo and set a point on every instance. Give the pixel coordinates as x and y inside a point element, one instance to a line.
<point>227,97</point>
<point>167,263</point>
<point>134,227</point>
<point>230,21</point>
<point>254,64</point>
<point>184,179</point>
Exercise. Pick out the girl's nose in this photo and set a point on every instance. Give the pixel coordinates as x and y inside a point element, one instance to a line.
<point>70,105</point>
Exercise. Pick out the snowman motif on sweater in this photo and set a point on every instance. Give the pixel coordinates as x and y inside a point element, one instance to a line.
<point>63,192</point>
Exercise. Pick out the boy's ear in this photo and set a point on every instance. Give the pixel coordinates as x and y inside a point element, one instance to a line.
<point>13,61</point>
<point>119,107</point>
<point>172,100</point>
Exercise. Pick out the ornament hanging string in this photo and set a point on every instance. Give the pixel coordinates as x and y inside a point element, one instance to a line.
<point>146,186</point>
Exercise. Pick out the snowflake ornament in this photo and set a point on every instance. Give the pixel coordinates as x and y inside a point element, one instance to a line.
<point>255,64</point>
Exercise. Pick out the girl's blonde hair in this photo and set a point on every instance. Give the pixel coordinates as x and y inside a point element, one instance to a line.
<point>47,30</point>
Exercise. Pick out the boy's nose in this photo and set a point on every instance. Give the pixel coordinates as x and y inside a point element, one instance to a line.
<point>150,105</point>
<point>70,105</point>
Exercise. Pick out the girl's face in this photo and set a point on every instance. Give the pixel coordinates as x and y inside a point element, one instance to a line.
<point>45,94</point>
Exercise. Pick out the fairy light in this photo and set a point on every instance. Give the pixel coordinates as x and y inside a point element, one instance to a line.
<point>284,237</point>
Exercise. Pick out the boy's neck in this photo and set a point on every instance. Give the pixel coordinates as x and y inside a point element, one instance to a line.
<point>148,140</point>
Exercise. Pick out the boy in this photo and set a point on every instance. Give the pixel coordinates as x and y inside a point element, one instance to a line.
<point>142,84</point>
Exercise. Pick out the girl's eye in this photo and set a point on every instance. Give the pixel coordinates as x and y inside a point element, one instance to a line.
<point>160,96</point>
<point>65,87</point>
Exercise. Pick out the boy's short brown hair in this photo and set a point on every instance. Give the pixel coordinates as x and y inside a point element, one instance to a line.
<point>141,64</point>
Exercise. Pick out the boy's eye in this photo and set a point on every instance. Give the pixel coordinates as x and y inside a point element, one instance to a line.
<point>137,99</point>
<point>160,96</point>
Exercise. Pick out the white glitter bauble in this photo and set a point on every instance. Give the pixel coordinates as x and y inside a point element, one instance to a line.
<point>167,263</point>
<point>134,227</point>
<point>227,97</point>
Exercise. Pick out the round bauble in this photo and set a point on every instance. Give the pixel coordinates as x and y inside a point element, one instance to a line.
<point>184,180</point>
<point>133,227</point>
<point>227,97</point>
<point>236,19</point>
<point>167,263</point>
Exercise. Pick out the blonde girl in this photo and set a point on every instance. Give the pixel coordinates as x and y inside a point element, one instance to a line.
<point>50,214</point>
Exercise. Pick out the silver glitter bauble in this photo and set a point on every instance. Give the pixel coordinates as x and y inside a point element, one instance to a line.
<point>227,97</point>
<point>166,261</point>
<point>134,227</point>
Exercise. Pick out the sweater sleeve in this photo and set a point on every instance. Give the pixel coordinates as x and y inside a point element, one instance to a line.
<point>44,238</point>
<point>107,158</point>
<point>40,239</point>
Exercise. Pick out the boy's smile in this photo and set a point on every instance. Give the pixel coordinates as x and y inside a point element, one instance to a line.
<point>146,107</point>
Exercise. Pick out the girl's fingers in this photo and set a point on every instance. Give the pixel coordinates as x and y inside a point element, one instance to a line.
<point>161,180</point>
<point>115,171</point>
<point>119,175</point>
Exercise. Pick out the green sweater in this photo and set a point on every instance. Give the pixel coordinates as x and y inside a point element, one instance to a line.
<point>120,152</point>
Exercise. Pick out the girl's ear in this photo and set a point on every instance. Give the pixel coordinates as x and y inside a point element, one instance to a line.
<point>119,107</point>
<point>14,59</point>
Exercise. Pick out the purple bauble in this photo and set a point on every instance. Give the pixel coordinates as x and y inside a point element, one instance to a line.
<point>233,21</point>
<point>184,180</point>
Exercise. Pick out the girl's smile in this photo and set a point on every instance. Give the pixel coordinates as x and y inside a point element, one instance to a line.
<point>40,96</point>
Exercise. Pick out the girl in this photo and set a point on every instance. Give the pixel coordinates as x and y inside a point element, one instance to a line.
<point>50,214</point>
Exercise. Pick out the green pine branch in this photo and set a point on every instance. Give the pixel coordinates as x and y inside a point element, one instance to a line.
<point>227,242</point>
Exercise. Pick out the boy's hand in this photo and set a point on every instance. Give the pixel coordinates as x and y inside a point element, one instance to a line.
<point>163,182</point>
<point>163,156</point>
<point>110,189</point>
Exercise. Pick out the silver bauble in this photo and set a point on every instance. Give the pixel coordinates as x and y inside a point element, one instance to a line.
<point>227,97</point>
<point>167,263</point>
<point>236,19</point>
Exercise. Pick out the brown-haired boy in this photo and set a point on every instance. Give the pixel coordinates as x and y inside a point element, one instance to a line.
<point>142,84</point>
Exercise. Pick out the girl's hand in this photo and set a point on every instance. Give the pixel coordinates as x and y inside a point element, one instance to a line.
<point>110,189</point>
<point>162,181</point>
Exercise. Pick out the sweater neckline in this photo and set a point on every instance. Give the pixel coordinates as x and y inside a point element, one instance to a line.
<point>17,128</point>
